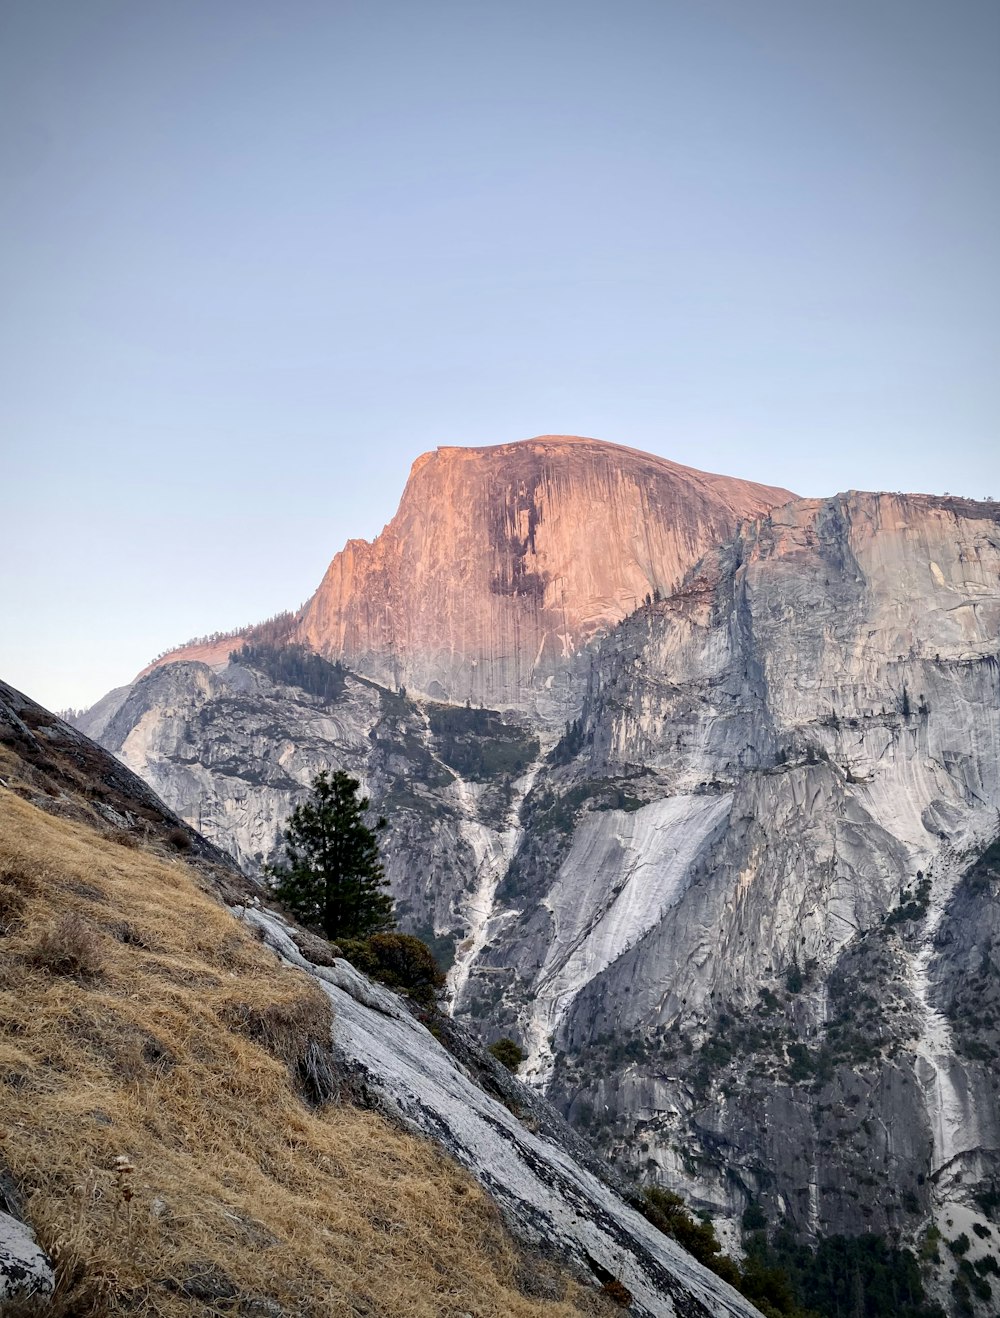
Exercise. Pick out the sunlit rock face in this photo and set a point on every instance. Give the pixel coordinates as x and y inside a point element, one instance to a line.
<point>502,562</point>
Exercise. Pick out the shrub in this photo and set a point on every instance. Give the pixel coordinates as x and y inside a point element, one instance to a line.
<point>400,961</point>
<point>618,1292</point>
<point>179,839</point>
<point>69,946</point>
<point>668,1212</point>
<point>508,1053</point>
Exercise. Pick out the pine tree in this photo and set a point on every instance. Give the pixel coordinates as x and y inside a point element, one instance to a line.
<point>333,876</point>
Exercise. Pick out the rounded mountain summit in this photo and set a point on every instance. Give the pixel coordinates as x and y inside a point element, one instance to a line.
<point>501,563</point>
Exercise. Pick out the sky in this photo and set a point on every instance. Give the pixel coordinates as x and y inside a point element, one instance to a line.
<point>256,257</point>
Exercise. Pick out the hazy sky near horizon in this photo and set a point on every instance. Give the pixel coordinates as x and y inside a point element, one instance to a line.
<point>256,257</point>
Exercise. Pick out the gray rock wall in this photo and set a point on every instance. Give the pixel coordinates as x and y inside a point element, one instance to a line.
<point>727,916</point>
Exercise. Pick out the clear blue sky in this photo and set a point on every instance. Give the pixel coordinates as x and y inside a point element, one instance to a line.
<point>256,257</point>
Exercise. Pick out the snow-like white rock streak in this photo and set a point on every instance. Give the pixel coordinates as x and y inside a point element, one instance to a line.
<point>624,870</point>
<point>951,1109</point>
<point>545,1195</point>
<point>492,851</point>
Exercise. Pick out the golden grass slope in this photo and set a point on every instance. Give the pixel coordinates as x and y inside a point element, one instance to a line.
<point>130,1002</point>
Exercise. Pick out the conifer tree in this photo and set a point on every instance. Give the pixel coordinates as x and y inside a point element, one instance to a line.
<point>332,876</point>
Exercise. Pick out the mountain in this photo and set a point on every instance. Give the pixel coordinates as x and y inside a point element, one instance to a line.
<point>207,1111</point>
<point>743,914</point>
<point>502,563</point>
<point>754,906</point>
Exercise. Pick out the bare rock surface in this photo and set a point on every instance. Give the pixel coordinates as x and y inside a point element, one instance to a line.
<point>25,1269</point>
<point>548,1198</point>
<point>502,563</point>
<point>827,689</point>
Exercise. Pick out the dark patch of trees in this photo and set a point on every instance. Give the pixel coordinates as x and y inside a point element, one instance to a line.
<point>569,744</point>
<point>294,665</point>
<point>479,743</point>
<point>846,1276</point>
<point>272,631</point>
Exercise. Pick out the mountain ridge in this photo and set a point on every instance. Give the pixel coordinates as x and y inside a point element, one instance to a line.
<point>523,552</point>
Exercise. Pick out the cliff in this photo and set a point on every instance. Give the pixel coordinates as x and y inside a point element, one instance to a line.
<point>739,911</point>
<point>502,563</point>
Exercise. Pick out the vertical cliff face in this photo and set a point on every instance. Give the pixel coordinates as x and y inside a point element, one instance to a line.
<point>502,563</point>
<point>739,916</point>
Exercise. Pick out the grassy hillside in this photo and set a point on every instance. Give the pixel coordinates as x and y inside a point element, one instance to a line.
<point>159,1074</point>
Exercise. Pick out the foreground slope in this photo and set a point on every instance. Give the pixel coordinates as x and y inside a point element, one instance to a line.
<point>139,1020</point>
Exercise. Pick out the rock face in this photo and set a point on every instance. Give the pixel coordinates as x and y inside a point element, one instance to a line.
<point>502,562</point>
<point>25,1269</point>
<point>68,774</point>
<point>738,913</point>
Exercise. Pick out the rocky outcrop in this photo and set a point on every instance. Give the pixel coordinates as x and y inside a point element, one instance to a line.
<point>63,772</point>
<point>549,1198</point>
<point>502,563</point>
<point>25,1269</point>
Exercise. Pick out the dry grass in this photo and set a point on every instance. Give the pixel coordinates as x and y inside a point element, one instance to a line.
<point>148,1047</point>
<point>69,945</point>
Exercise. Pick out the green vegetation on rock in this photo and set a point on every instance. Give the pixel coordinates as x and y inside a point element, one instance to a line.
<point>761,1280</point>
<point>508,1053</point>
<point>481,744</point>
<point>294,665</point>
<point>400,961</point>
<point>845,1276</point>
